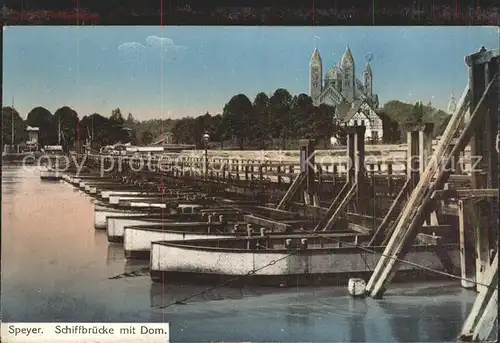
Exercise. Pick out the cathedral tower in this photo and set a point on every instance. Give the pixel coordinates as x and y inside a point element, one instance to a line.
<point>315,75</point>
<point>368,80</point>
<point>349,82</point>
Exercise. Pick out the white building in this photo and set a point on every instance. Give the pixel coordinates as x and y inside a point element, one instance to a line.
<point>32,135</point>
<point>354,101</point>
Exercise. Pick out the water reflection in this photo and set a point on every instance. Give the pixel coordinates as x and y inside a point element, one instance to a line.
<point>298,315</point>
<point>115,252</point>
<point>357,323</point>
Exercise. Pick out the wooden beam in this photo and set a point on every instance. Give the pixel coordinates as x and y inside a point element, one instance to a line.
<point>276,213</point>
<point>391,214</point>
<point>359,228</point>
<point>464,193</point>
<point>331,210</point>
<point>420,199</point>
<point>409,220</point>
<point>484,312</point>
<point>333,219</point>
<point>464,228</point>
<point>315,211</point>
<point>363,220</point>
<point>295,187</point>
<point>268,223</point>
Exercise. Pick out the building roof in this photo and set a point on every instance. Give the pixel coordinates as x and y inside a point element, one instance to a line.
<point>350,112</point>
<point>31,128</point>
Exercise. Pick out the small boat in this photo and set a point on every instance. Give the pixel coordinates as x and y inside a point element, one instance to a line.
<point>102,211</point>
<point>48,173</point>
<point>283,260</point>
<point>137,240</point>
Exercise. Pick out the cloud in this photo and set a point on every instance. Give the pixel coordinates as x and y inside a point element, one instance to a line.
<point>163,43</point>
<point>131,47</point>
<point>153,43</point>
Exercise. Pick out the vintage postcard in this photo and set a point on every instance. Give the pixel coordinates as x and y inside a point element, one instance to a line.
<point>213,183</point>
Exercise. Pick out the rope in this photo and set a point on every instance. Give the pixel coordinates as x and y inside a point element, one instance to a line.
<point>412,263</point>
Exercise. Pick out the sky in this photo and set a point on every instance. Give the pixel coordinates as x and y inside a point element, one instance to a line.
<point>172,72</point>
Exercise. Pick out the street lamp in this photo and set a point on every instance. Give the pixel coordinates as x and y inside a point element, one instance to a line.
<point>206,139</point>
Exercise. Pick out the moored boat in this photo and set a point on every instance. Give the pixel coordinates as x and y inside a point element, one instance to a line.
<point>288,260</point>
<point>50,174</point>
<point>137,240</point>
<point>102,211</point>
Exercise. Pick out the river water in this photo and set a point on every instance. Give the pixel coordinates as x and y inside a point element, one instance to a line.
<point>56,267</point>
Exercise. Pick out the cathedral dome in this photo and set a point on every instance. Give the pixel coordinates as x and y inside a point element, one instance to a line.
<point>347,60</point>
<point>333,74</point>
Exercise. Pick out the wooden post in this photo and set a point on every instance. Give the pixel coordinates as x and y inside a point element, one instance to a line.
<point>465,230</point>
<point>350,171</point>
<point>425,145</point>
<point>307,165</point>
<point>485,174</point>
<point>359,150</point>
<point>412,168</point>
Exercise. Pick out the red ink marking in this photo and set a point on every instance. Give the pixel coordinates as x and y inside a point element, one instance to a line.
<point>53,15</point>
<point>313,14</point>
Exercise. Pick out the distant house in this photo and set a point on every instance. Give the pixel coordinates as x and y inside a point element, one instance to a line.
<point>361,113</point>
<point>33,133</point>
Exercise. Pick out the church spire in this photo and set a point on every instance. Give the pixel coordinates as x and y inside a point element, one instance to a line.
<point>347,60</point>
<point>452,105</point>
<point>316,58</point>
<point>368,68</point>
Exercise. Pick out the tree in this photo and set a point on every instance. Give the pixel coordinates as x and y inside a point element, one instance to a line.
<point>69,121</point>
<point>261,128</point>
<point>220,130</point>
<point>280,105</point>
<point>183,131</point>
<point>391,130</point>
<point>42,118</point>
<point>323,124</point>
<point>9,114</point>
<point>97,128</point>
<point>116,127</point>
<point>116,116</point>
<point>300,123</point>
<point>130,122</point>
<point>238,114</point>
<point>146,138</point>
<point>418,113</point>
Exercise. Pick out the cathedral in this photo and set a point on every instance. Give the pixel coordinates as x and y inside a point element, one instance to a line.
<point>354,101</point>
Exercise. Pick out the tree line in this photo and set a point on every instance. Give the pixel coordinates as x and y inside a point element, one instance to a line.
<point>280,120</point>
<point>64,127</point>
<point>275,121</point>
